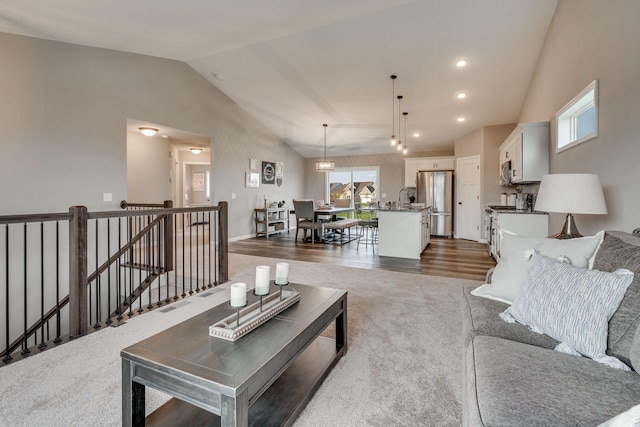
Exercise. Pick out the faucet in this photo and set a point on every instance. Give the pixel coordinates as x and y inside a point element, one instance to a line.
<point>399,193</point>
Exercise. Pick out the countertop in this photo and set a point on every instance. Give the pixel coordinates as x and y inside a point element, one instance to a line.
<point>403,209</point>
<point>513,210</point>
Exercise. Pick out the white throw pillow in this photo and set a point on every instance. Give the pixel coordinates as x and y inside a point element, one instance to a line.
<point>572,305</point>
<point>629,418</point>
<point>515,254</point>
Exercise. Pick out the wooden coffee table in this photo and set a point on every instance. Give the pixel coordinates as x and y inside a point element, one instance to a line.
<point>265,378</point>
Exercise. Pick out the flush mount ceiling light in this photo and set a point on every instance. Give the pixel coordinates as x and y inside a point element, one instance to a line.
<point>404,147</point>
<point>460,119</point>
<point>324,165</point>
<point>461,95</point>
<point>461,63</point>
<point>147,131</point>
<point>416,134</point>
<point>195,150</point>
<point>399,146</point>
<point>392,139</point>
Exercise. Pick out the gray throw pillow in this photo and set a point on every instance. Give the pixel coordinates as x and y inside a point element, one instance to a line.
<point>622,250</point>
<point>571,304</point>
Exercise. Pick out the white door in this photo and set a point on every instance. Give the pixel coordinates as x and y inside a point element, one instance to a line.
<point>468,211</point>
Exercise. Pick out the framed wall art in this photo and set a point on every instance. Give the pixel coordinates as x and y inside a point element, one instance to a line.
<point>279,167</point>
<point>252,180</point>
<point>268,172</point>
<point>198,181</point>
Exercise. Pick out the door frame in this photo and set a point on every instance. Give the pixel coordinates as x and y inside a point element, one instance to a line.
<point>477,208</point>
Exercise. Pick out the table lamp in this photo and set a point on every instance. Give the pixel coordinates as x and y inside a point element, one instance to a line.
<point>570,193</point>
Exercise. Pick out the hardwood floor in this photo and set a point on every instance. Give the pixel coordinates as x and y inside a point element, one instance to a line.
<point>443,257</point>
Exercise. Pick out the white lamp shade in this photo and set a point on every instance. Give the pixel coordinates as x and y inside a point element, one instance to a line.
<point>574,193</point>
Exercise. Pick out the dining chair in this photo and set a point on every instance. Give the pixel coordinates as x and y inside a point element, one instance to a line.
<point>305,219</point>
<point>368,228</point>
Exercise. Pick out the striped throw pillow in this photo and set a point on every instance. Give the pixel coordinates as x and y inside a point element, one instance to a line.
<point>571,304</point>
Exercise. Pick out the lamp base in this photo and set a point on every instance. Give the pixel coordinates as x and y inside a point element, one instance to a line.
<point>569,230</point>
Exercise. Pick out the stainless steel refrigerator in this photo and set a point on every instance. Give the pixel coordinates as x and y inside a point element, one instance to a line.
<point>435,189</point>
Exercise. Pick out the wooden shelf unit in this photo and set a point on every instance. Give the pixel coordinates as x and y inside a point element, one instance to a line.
<point>271,220</point>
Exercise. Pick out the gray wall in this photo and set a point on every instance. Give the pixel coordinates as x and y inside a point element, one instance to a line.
<point>148,166</point>
<point>391,172</point>
<point>588,40</point>
<point>63,115</point>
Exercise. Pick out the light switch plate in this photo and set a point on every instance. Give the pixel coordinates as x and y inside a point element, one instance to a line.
<point>233,195</point>
<point>107,197</point>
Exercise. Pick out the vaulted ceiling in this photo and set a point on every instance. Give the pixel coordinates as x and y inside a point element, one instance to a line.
<point>296,64</point>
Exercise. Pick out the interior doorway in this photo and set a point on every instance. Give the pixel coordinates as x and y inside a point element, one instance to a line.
<point>157,165</point>
<point>468,212</point>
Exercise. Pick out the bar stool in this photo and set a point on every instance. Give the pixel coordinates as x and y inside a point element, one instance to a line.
<point>368,229</point>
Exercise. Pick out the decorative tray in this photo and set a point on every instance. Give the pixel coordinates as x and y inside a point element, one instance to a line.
<point>250,317</point>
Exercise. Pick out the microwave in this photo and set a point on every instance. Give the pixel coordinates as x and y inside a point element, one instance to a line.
<point>505,173</point>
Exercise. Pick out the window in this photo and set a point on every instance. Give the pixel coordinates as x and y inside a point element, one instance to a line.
<point>577,121</point>
<point>357,184</point>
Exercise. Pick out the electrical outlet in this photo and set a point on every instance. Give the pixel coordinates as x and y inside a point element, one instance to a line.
<point>384,195</point>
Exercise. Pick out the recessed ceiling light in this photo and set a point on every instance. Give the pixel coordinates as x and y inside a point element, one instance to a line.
<point>460,63</point>
<point>416,134</point>
<point>461,119</point>
<point>461,95</point>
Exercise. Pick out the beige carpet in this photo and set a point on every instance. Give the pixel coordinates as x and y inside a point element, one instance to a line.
<point>402,368</point>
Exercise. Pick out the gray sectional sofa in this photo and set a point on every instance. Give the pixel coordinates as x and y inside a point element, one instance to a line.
<point>513,377</point>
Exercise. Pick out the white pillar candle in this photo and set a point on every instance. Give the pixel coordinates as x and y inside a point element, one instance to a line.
<point>282,273</point>
<point>263,272</point>
<point>238,294</point>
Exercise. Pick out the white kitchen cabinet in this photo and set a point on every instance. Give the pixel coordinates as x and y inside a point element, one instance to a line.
<point>403,233</point>
<point>410,171</point>
<point>436,163</point>
<point>413,165</point>
<point>527,147</point>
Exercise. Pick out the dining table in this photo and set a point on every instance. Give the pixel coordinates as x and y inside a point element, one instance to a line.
<point>332,212</point>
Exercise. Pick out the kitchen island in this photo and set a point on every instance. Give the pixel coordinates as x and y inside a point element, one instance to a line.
<point>403,232</point>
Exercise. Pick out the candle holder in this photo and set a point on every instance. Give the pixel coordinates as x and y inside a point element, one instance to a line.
<point>249,317</point>
<point>281,285</point>
<point>261,296</point>
<point>237,309</point>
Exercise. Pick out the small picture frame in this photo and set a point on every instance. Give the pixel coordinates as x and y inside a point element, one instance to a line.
<point>253,164</point>
<point>198,181</point>
<point>279,167</point>
<point>252,180</point>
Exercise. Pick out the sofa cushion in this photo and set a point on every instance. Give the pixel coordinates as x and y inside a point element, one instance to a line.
<point>508,276</point>
<point>622,250</point>
<point>481,316</point>
<point>571,304</point>
<point>510,384</point>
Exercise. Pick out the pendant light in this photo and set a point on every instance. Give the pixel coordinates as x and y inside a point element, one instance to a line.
<point>324,165</point>
<point>404,147</point>
<point>399,146</point>
<point>393,140</point>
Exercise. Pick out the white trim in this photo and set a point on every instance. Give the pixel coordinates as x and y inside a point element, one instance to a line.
<point>565,127</point>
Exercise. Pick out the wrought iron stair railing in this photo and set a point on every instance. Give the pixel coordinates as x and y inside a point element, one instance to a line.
<point>152,253</point>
